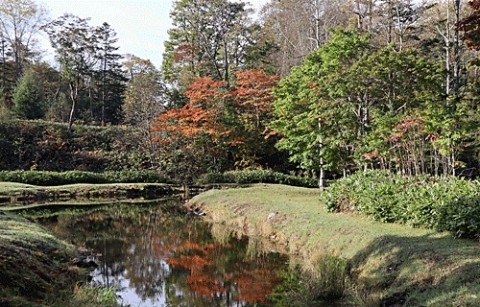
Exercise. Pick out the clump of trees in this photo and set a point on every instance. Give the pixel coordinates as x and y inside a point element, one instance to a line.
<point>219,128</point>
<point>331,86</point>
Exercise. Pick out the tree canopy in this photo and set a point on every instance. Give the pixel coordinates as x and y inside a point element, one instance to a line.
<point>322,87</point>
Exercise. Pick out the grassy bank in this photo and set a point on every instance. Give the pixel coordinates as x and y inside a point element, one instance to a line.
<point>49,178</point>
<point>33,263</point>
<point>392,263</point>
<point>36,269</point>
<point>16,194</point>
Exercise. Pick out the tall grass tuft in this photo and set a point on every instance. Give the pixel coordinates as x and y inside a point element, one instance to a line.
<point>327,282</point>
<point>96,296</point>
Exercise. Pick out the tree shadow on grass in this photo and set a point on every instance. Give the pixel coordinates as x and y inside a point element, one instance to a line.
<point>429,270</point>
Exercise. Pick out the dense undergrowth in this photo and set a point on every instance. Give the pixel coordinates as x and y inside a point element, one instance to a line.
<point>46,153</point>
<point>443,204</point>
<point>49,146</point>
<point>51,178</point>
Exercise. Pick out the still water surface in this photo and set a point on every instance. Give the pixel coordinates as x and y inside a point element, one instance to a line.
<point>157,256</point>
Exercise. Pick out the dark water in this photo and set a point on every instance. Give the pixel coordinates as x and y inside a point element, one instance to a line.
<point>159,257</point>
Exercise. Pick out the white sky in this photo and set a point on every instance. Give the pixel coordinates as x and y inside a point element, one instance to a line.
<point>141,25</point>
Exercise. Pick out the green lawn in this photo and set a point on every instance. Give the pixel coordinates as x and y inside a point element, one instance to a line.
<point>13,186</point>
<point>387,260</point>
<point>23,196</point>
<point>8,187</point>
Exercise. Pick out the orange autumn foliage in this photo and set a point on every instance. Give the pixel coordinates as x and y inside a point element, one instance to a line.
<point>253,91</point>
<point>191,262</point>
<point>470,25</point>
<point>203,114</point>
<point>199,116</point>
<point>219,124</point>
<point>253,97</point>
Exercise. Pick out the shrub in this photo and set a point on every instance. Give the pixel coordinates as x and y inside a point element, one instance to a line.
<point>257,176</point>
<point>461,216</point>
<point>96,295</point>
<point>444,204</point>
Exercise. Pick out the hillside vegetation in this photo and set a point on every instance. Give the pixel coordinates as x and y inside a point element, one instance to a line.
<point>42,145</point>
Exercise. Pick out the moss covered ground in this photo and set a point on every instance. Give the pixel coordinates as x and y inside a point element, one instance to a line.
<point>389,263</point>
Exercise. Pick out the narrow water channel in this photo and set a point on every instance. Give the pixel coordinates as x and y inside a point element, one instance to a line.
<point>156,256</point>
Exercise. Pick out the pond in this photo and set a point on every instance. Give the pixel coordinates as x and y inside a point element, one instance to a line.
<point>157,256</point>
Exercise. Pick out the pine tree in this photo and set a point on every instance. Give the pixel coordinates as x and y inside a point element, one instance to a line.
<point>28,97</point>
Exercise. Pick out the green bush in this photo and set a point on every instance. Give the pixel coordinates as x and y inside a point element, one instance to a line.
<point>47,178</point>
<point>257,176</point>
<point>444,204</point>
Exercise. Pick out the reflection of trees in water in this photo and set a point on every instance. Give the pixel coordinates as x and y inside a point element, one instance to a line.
<point>157,251</point>
<point>221,274</point>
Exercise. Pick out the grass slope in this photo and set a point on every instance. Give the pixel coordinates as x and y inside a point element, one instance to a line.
<point>393,263</point>
<point>18,195</point>
<point>13,186</point>
<point>33,263</point>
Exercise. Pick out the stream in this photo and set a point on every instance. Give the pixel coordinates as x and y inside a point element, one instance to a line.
<point>155,255</point>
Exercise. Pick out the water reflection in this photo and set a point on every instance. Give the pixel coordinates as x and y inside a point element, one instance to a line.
<point>157,257</point>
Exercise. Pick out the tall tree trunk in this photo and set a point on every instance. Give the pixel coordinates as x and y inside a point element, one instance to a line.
<point>73,97</point>
<point>104,74</point>
<point>226,77</point>
<point>456,51</point>
<point>4,67</point>
<point>321,175</point>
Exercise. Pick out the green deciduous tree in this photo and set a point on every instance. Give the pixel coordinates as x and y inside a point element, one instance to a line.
<point>351,106</point>
<point>145,97</point>
<point>316,126</point>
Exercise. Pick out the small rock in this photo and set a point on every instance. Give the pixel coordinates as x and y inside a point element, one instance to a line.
<point>271,216</point>
<point>196,211</point>
<point>85,261</point>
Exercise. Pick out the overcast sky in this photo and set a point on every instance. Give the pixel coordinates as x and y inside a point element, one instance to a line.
<point>141,25</point>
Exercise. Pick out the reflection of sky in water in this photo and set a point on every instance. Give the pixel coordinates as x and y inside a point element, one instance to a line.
<point>127,294</point>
